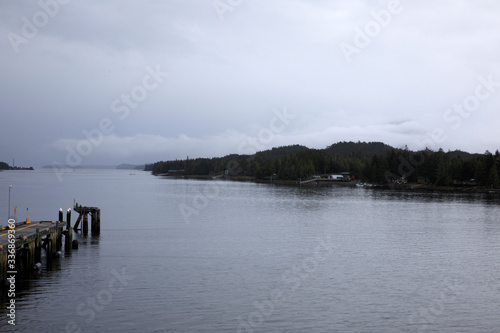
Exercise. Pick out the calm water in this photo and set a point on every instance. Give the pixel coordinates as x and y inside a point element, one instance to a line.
<point>195,256</point>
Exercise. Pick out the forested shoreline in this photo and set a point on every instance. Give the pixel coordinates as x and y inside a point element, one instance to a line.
<point>5,166</point>
<point>373,162</point>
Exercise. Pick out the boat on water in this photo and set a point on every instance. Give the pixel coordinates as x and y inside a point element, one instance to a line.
<point>364,185</point>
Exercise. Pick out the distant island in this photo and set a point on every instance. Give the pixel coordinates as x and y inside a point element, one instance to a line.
<point>5,166</point>
<point>374,163</point>
<point>131,167</point>
<point>93,166</point>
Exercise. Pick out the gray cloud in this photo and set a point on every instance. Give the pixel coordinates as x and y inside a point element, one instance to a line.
<point>227,76</point>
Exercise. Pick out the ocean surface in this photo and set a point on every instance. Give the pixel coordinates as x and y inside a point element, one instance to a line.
<point>217,256</point>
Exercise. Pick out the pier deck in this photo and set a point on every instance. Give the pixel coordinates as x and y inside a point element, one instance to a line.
<point>23,252</point>
<point>26,231</point>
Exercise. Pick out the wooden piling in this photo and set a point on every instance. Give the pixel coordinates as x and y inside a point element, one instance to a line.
<point>49,249</point>
<point>60,215</point>
<point>52,245</point>
<point>28,256</point>
<point>38,246</point>
<point>92,222</point>
<point>96,222</point>
<point>68,235</point>
<point>68,219</point>
<point>68,239</point>
<point>3,268</point>
<point>85,228</point>
<point>98,226</point>
<point>59,237</point>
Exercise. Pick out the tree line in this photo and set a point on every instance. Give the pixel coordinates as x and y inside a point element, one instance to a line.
<point>373,162</point>
<point>5,166</point>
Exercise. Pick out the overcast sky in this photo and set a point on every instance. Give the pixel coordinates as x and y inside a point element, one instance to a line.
<point>108,82</point>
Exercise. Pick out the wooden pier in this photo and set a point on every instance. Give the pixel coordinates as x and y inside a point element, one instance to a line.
<point>95,216</point>
<point>21,243</point>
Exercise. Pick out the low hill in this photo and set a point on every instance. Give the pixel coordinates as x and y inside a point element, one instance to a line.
<point>462,154</point>
<point>277,152</point>
<point>359,148</point>
<point>373,162</point>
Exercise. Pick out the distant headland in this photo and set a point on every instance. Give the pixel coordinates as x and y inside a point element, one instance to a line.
<point>372,164</point>
<point>98,166</point>
<point>5,166</point>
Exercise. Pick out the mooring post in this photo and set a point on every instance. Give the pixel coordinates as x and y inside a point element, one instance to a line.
<point>85,224</point>
<point>68,219</point>
<point>96,222</point>
<point>60,215</point>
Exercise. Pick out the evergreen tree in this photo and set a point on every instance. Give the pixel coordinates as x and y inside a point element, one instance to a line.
<point>443,174</point>
<point>493,179</point>
<point>4,166</point>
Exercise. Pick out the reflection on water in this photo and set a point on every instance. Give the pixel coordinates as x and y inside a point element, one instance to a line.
<point>260,257</point>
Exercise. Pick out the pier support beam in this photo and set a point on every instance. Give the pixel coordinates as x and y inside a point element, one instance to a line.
<point>92,222</point>
<point>51,246</point>
<point>68,240</point>
<point>77,223</point>
<point>38,246</point>
<point>96,222</point>
<point>59,238</point>
<point>85,228</point>
<point>3,269</point>
<point>28,256</point>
